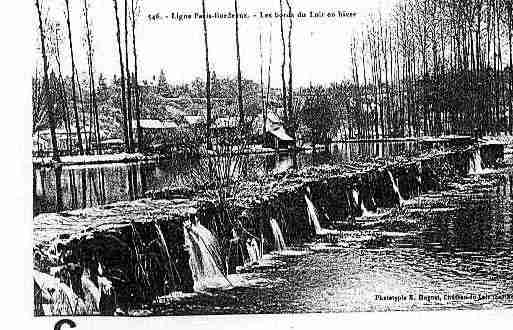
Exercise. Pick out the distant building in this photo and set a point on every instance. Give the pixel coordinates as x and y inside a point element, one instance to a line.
<point>194,120</point>
<point>275,134</point>
<point>42,141</point>
<point>154,124</point>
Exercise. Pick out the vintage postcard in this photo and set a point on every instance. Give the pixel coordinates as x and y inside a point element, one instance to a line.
<point>271,157</point>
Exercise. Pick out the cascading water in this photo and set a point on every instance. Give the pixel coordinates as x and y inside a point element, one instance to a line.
<point>396,187</point>
<point>253,251</point>
<point>205,257</point>
<point>418,177</point>
<point>361,204</point>
<point>279,242</point>
<point>312,215</point>
<point>475,163</point>
<point>419,184</point>
<point>256,248</point>
<point>314,218</point>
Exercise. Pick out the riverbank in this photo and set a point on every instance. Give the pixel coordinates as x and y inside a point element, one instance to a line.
<point>40,162</point>
<point>427,142</point>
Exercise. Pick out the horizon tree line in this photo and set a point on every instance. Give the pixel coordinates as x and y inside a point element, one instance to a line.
<point>433,68</point>
<point>55,86</point>
<point>428,68</point>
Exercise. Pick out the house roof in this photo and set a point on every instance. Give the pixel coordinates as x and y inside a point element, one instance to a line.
<point>273,125</point>
<point>278,131</point>
<point>224,122</point>
<point>112,141</point>
<point>155,124</point>
<point>193,120</point>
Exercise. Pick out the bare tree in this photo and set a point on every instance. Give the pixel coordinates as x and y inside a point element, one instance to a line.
<point>292,125</point>
<point>48,98</point>
<point>128,85</point>
<point>207,84</point>
<point>283,62</point>
<point>62,90</point>
<point>91,78</point>
<point>261,57</point>
<point>268,75</point>
<point>73,79</point>
<point>136,82</point>
<point>122,83</point>
<point>239,75</point>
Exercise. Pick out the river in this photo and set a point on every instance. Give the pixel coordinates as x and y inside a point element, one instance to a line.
<point>452,249</point>
<point>80,186</point>
<point>455,254</point>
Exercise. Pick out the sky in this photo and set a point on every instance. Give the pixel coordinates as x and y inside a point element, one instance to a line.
<point>320,46</point>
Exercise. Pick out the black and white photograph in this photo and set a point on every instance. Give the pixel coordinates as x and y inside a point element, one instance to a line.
<point>237,157</point>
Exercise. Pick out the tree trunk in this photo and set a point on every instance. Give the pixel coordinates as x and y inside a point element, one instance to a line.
<point>283,62</point>
<point>122,83</point>
<point>91,80</point>
<point>48,98</point>
<point>63,96</point>
<point>292,124</point>
<point>128,85</point>
<point>136,84</point>
<point>207,84</point>
<point>239,75</point>
<point>73,88</point>
<point>268,78</point>
<point>81,101</point>
<point>262,84</point>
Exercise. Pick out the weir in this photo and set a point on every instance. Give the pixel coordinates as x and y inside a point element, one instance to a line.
<point>476,163</point>
<point>121,235</point>
<point>313,217</point>
<point>395,185</point>
<point>253,251</point>
<point>279,241</point>
<point>361,204</point>
<point>205,258</point>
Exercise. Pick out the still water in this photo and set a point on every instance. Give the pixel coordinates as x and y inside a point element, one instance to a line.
<point>74,187</point>
<point>457,254</point>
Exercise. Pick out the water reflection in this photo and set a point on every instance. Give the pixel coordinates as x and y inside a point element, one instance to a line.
<point>73,187</point>
<point>460,255</point>
<point>477,219</point>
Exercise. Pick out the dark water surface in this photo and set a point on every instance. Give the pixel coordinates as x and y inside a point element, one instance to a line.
<point>458,256</point>
<point>75,187</point>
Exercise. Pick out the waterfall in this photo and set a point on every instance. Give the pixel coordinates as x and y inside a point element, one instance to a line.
<point>396,187</point>
<point>39,183</point>
<point>205,257</point>
<point>475,163</point>
<point>256,248</point>
<point>56,298</point>
<point>279,242</point>
<point>313,218</point>
<point>312,215</point>
<point>253,251</point>
<point>419,176</point>
<point>361,204</point>
<point>91,293</point>
<point>356,197</point>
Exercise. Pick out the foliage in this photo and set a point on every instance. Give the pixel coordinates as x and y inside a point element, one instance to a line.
<point>319,114</point>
